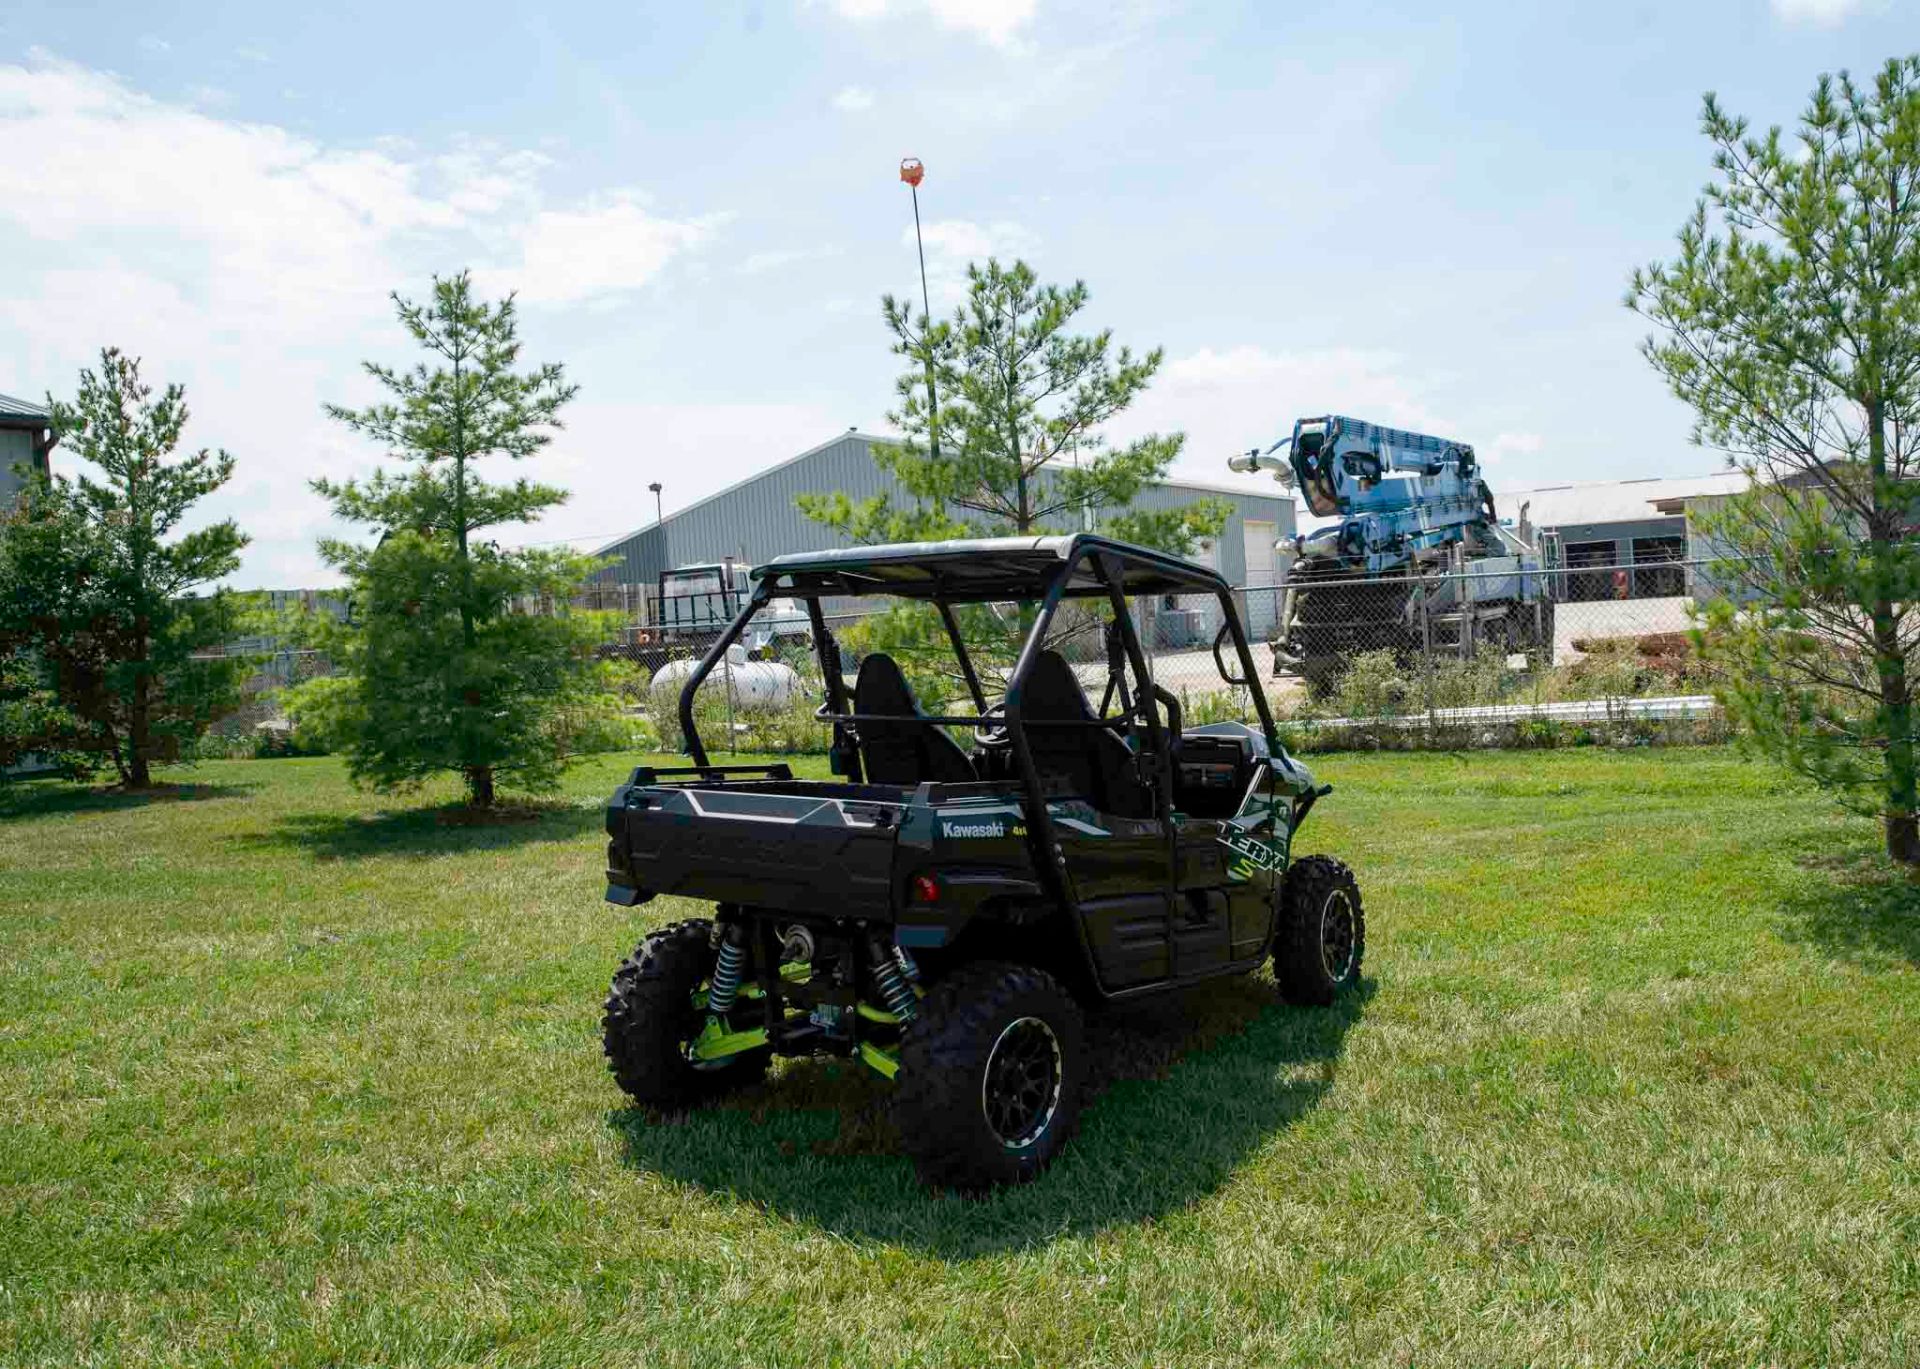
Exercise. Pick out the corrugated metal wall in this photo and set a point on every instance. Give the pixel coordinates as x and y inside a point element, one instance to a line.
<point>16,449</point>
<point>756,520</point>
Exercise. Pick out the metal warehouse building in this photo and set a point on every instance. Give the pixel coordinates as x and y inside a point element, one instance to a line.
<point>1640,525</point>
<point>757,520</point>
<point>25,442</point>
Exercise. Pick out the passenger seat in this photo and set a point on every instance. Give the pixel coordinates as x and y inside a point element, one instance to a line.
<point>1094,761</point>
<point>901,753</point>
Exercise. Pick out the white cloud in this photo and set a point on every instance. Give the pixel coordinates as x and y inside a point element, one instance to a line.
<point>853,99</point>
<point>1824,13</point>
<point>694,449</point>
<point>1506,445</point>
<point>995,21</point>
<point>252,265</point>
<point>602,249</point>
<point>773,260</point>
<point>1231,400</point>
<point>1244,397</point>
<point>952,243</point>
<point>155,44</point>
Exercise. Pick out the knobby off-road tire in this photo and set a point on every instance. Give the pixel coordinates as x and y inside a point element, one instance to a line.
<point>651,1017</point>
<point>1322,935</point>
<point>991,1074</point>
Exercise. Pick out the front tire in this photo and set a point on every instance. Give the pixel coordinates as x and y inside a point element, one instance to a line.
<point>651,1020</point>
<point>991,1074</point>
<point>1322,935</point>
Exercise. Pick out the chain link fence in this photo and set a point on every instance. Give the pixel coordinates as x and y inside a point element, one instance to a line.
<point>1593,653</point>
<point>1475,658</point>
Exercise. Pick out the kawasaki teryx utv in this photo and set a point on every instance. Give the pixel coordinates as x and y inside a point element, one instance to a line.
<point>939,913</point>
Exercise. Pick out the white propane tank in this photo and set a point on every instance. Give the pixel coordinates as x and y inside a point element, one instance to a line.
<point>756,684</point>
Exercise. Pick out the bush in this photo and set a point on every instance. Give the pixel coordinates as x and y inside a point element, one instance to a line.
<point>791,730</point>
<point>1215,706</point>
<point>1374,685</point>
<point>1478,682</point>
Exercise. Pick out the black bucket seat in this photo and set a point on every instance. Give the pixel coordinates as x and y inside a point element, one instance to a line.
<point>1095,762</point>
<point>901,753</point>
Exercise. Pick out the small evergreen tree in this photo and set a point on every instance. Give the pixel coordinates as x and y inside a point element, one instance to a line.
<point>1016,445</point>
<point>110,649</point>
<point>1790,322</point>
<point>1014,448</point>
<point>439,672</point>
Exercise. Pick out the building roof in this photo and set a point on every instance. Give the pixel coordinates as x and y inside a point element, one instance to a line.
<point>1173,482</point>
<point>740,484</point>
<point>20,412</point>
<point>1612,501</point>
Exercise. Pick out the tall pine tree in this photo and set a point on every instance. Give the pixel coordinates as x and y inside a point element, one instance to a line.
<point>1016,445</point>
<point>109,637</point>
<point>1790,322</point>
<point>439,672</point>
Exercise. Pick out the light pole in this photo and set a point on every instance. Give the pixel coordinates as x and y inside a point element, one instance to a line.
<point>658,517</point>
<point>913,172</point>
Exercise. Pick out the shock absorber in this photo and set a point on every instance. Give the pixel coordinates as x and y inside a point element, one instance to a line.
<point>726,970</point>
<point>895,992</point>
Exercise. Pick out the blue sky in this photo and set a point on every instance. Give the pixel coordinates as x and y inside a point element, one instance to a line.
<point>1414,215</point>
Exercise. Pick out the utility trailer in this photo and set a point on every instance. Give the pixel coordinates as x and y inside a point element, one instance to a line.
<point>694,604</point>
<point>942,911</point>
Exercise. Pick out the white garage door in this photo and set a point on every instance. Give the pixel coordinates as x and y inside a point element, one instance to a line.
<point>1263,572</point>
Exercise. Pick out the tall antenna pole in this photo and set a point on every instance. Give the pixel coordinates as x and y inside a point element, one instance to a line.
<point>912,172</point>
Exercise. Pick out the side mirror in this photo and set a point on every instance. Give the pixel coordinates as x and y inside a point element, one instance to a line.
<point>1223,635</point>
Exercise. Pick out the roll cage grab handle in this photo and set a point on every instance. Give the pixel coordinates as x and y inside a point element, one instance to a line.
<point>1105,562</point>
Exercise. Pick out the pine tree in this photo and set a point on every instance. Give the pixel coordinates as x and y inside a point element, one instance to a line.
<point>1016,445</point>
<point>110,642</point>
<point>1790,322</point>
<point>439,672</point>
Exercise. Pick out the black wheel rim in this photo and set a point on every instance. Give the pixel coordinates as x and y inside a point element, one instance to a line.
<point>1336,935</point>
<point>1020,1089</point>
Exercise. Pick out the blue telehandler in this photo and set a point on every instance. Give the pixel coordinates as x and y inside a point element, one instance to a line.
<point>1413,558</point>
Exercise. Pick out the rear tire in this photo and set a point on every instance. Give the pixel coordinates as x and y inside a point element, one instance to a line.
<point>1322,936</point>
<point>991,1074</point>
<point>651,1019</point>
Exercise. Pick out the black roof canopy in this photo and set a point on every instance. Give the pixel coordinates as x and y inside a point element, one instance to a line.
<point>983,569</point>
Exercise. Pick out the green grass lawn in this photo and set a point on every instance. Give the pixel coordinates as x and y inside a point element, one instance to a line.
<point>295,1075</point>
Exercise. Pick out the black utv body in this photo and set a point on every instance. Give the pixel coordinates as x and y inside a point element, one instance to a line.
<point>941,912</point>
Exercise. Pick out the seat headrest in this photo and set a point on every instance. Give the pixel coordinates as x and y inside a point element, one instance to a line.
<point>1053,690</point>
<point>881,687</point>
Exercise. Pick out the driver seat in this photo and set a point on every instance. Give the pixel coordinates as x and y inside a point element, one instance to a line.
<point>1095,762</point>
<point>902,753</point>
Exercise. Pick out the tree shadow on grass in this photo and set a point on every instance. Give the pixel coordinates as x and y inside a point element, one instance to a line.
<point>1185,1089</point>
<point>38,798</point>
<point>444,829</point>
<point>1855,906</point>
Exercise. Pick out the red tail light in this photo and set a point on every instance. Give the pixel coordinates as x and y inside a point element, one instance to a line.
<point>926,889</point>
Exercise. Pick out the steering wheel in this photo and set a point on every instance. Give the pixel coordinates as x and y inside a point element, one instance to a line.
<point>992,736</point>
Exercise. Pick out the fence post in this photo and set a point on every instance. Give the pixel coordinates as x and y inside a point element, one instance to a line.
<point>1426,650</point>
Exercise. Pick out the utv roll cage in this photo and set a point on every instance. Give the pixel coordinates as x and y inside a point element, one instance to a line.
<point>1046,570</point>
